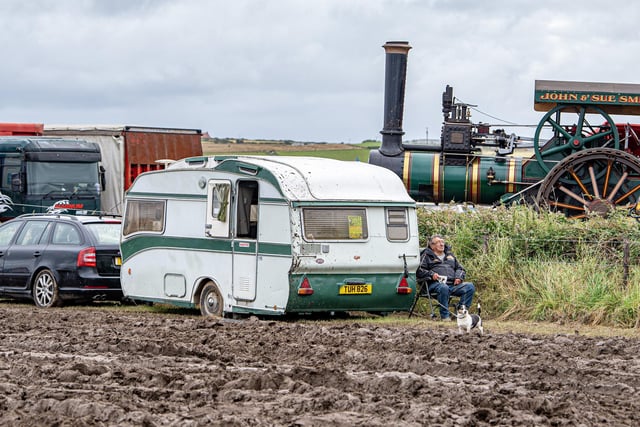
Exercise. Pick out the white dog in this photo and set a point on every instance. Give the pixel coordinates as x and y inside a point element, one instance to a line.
<point>468,321</point>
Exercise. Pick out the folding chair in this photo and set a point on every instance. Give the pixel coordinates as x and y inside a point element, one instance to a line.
<point>422,292</point>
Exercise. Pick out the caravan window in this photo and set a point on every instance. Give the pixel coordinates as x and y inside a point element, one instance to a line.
<point>144,215</point>
<point>397,224</point>
<point>220,201</point>
<point>247,210</point>
<point>335,224</point>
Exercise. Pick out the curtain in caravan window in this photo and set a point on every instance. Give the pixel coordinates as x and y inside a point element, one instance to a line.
<point>245,196</point>
<point>144,215</point>
<point>335,224</point>
<point>220,202</point>
<point>247,202</point>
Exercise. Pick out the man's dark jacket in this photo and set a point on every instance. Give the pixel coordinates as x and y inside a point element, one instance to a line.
<point>430,264</point>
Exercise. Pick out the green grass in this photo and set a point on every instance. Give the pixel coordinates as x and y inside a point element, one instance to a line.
<point>352,152</point>
<point>361,155</point>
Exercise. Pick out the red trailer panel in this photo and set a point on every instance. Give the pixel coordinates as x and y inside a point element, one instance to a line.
<point>145,146</point>
<point>24,129</point>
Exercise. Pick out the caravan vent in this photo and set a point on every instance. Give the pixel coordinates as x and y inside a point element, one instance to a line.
<point>244,285</point>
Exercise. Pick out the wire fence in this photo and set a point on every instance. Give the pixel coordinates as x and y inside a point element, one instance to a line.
<point>613,253</point>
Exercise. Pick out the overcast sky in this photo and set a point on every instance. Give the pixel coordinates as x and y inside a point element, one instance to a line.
<point>302,70</point>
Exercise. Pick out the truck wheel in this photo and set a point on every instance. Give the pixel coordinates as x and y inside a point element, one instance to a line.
<point>45,290</point>
<point>211,301</point>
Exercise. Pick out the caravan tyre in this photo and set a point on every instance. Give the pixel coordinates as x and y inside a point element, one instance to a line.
<point>211,301</point>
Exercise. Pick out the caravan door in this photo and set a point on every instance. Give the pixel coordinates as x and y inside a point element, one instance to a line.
<point>245,241</point>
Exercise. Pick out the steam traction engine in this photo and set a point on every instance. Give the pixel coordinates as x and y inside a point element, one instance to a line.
<point>579,161</point>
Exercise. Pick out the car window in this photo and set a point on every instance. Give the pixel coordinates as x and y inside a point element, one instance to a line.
<point>66,234</point>
<point>7,231</point>
<point>31,233</point>
<point>105,232</point>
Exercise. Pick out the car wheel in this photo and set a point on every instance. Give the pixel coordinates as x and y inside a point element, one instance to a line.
<point>211,301</point>
<point>45,290</point>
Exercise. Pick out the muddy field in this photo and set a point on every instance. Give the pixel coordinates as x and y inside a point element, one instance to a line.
<point>90,366</point>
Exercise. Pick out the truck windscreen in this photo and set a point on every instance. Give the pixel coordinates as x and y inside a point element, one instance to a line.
<point>79,179</point>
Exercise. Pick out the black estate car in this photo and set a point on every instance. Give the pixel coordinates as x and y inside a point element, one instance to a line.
<point>53,257</point>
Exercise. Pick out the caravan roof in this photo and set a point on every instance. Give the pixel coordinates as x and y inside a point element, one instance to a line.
<point>311,178</point>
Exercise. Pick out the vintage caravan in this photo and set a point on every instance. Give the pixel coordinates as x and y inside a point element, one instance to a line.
<point>270,236</point>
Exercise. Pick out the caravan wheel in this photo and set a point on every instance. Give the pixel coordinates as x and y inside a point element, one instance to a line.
<point>211,301</point>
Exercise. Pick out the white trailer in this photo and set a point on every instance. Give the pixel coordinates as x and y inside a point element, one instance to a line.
<point>128,151</point>
<point>270,235</point>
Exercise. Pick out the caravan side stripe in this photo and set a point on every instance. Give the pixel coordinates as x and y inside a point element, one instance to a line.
<point>142,242</point>
<point>167,195</point>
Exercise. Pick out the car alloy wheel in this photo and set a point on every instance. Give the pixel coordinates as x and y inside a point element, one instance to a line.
<point>45,290</point>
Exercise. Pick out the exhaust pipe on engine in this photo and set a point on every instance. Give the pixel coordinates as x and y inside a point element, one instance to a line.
<point>394,88</point>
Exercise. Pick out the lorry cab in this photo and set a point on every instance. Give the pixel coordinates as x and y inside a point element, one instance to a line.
<point>44,174</point>
<point>271,236</point>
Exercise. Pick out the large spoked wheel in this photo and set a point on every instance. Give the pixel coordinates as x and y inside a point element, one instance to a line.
<point>211,303</point>
<point>594,181</point>
<point>567,129</point>
<point>45,290</point>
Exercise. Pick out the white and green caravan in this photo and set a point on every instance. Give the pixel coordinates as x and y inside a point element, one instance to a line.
<point>270,236</point>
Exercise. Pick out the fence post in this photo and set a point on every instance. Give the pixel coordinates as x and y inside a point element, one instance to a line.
<point>625,263</point>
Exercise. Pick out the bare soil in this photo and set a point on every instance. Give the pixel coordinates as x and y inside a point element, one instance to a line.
<point>93,366</point>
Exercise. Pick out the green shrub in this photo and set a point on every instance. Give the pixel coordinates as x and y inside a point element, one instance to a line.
<point>530,265</point>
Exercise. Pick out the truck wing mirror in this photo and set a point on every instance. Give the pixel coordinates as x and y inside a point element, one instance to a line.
<point>103,180</point>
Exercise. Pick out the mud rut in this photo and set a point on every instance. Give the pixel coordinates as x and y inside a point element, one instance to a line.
<point>77,366</point>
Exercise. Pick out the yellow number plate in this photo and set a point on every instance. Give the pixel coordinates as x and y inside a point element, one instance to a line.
<point>118,261</point>
<point>356,289</point>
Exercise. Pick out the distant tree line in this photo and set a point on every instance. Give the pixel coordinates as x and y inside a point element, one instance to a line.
<point>218,140</point>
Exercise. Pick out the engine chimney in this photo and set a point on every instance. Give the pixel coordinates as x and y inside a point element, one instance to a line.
<point>394,85</point>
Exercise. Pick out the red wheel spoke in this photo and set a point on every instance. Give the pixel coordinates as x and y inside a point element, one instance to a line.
<point>584,215</point>
<point>572,194</point>
<point>580,184</point>
<point>594,183</point>
<point>627,194</point>
<point>606,180</point>
<point>566,206</point>
<point>621,181</point>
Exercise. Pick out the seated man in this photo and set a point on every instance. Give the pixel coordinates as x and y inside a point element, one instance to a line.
<point>444,275</point>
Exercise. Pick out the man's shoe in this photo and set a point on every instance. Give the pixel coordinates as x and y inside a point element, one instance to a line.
<point>446,319</point>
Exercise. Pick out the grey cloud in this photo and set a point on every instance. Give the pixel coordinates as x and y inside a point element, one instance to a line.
<point>298,70</point>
